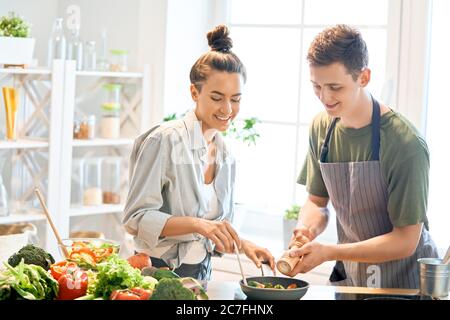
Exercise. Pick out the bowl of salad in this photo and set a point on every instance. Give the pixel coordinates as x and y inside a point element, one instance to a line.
<point>88,252</point>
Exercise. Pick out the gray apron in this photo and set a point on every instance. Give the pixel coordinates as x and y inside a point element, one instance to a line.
<point>359,195</point>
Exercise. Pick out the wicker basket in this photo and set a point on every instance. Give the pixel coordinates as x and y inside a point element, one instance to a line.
<point>13,237</point>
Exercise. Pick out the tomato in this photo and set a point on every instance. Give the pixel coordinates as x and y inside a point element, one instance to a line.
<point>124,295</point>
<point>73,284</point>
<point>140,261</point>
<point>131,294</point>
<point>60,268</point>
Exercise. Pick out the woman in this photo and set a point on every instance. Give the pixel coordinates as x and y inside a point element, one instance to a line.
<point>180,201</point>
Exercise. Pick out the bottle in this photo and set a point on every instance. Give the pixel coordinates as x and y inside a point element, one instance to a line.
<point>75,48</point>
<point>4,208</point>
<point>90,57</point>
<point>102,63</point>
<point>56,43</point>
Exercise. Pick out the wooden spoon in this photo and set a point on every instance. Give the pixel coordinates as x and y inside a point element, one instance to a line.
<point>236,250</point>
<point>49,218</point>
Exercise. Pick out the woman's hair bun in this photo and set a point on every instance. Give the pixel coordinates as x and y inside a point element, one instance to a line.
<point>218,39</point>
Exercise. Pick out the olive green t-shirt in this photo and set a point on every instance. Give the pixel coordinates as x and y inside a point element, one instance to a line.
<point>404,161</point>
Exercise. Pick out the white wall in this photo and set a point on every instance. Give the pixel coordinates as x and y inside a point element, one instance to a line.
<point>119,17</point>
<point>187,25</point>
<point>186,41</point>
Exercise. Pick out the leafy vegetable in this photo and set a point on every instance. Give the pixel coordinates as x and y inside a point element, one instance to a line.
<point>243,130</point>
<point>32,255</point>
<point>115,274</point>
<point>30,282</point>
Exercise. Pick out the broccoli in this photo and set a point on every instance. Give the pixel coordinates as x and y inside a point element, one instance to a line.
<point>172,289</point>
<point>32,255</point>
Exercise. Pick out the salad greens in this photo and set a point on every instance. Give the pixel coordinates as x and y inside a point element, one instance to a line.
<point>115,274</point>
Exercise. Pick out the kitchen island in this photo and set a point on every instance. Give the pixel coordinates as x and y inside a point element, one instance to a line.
<point>229,290</point>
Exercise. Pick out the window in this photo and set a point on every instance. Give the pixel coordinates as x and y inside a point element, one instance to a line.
<point>438,115</point>
<point>272,38</point>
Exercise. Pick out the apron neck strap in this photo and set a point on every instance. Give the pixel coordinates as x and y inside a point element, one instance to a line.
<point>375,125</point>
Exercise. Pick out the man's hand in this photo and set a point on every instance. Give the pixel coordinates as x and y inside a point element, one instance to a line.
<point>312,254</point>
<point>299,235</point>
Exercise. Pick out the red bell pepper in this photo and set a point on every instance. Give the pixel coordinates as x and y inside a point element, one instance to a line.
<point>73,284</point>
<point>60,268</point>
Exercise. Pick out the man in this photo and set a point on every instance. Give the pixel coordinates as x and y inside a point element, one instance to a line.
<point>372,164</point>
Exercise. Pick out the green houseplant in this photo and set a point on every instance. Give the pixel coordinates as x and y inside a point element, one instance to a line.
<point>16,47</point>
<point>289,223</point>
<point>243,130</point>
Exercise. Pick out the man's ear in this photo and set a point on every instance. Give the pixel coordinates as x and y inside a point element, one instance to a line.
<point>364,77</point>
<point>194,92</point>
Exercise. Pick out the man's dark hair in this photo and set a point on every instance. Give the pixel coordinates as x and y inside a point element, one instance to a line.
<point>340,43</point>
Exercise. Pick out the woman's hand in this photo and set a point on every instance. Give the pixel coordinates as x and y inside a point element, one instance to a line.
<point>258,254</point>
<point>221,233</point>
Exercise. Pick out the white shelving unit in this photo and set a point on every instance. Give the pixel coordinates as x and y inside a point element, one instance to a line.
<point>102,142</point>
<point>23,144</point>
<point>36,152</point>
<point>56,109</point>
<point>135,118</point>
<point>20,217</point>
<point>94,210</point>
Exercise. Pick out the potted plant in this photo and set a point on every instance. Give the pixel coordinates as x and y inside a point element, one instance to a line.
<point>16,48</point>
<point>289,223</point>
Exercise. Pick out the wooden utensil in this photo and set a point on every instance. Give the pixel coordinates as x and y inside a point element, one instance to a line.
<point>236,250</point>
<point>286,263</point>
<point>50,221</point>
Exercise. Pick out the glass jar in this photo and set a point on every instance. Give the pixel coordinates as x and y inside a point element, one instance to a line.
<point>77,184</point>
<point>90,57</point>
<point>84,129</point>
<point>92,195</point>
<point>90,125</point>
<point>119,60</point>
<point>111,180</point>
<point>110,121</point>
